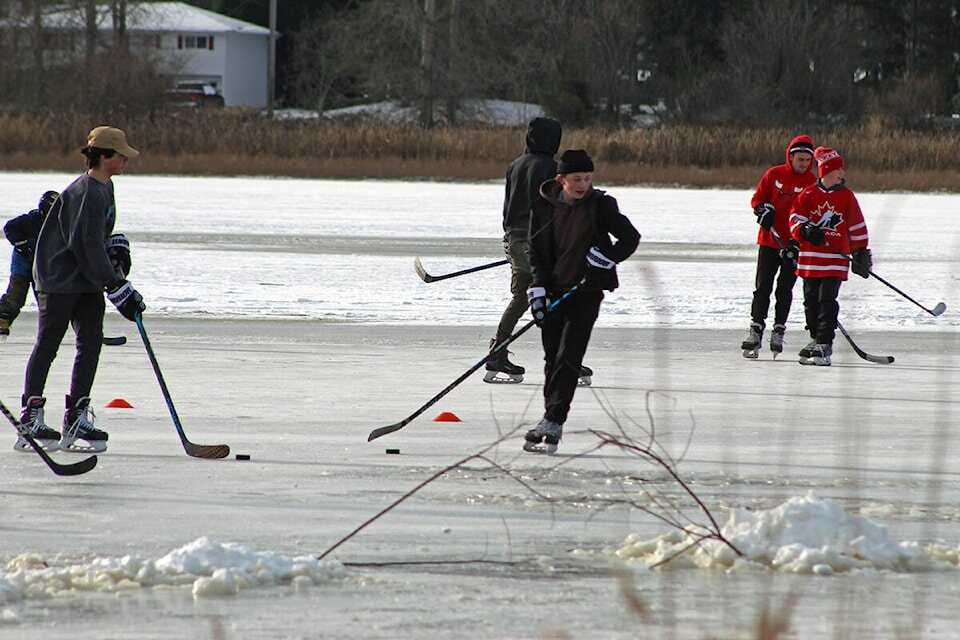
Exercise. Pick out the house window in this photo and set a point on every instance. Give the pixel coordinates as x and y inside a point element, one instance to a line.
<point>195,42</point>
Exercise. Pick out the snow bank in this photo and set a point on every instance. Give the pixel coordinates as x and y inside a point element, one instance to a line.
<point>494,112</point>
<point>210,568</point>
<point>803,535</point>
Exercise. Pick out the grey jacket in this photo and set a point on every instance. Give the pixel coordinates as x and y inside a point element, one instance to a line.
<point>71,250</point>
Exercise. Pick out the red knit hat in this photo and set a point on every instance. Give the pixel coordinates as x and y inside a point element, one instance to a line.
<point>827,160</point>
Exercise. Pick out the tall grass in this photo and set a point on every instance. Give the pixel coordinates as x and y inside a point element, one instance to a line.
<point>238,143</point>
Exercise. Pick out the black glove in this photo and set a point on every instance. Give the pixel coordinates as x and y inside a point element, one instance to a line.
<point>862,262</point>
<point>118,249</point>
<point>537,296</point>
<point>790,253</point>
<point>766,213</point>
<point>812,233</point>
<point>126,299</point>
<point>597,266</point>
<point>25,248</point>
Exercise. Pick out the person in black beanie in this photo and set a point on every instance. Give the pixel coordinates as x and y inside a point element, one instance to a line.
<point>524,176</point>
<point>75,263</point>
<point>574,248</point>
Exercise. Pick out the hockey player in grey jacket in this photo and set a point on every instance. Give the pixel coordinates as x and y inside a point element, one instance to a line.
<point>524,176</point>
<point>71,271</point>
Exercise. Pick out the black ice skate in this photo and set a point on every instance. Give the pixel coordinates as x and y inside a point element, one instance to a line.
<point>586,376</point>
<point>807,351</point>
<point>500,370</point>
<point>776,339</point>
<point>751,343</point>
<point>543,438</point>
<point>31,423</point>
<point>820,355</point>
<point>78,426</point>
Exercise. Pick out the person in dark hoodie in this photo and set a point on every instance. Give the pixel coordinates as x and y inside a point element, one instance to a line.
<point>22,233</point>
<point>524,176</point>
<point>71,271</point>
<point>573,248</point>
<point>771,202</point>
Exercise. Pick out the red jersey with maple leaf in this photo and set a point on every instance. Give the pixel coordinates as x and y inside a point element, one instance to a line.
<point>780,185</point>
<point>837,212</point>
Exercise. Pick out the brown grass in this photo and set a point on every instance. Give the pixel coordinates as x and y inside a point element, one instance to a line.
<point>241,143</point>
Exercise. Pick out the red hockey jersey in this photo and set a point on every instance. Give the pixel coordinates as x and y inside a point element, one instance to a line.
<point>838,213</point>
<point>780,185</point>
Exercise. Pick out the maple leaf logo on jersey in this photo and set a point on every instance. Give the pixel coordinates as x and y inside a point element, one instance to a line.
<point>830,218</point>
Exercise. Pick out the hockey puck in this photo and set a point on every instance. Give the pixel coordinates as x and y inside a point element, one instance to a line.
<point>243,456</point>
<point>394,451</point>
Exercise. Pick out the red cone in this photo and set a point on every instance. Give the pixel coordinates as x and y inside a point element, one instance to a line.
<point>119,403</point>
<point>447,416</point>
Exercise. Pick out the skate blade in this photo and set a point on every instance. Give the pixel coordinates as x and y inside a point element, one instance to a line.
<point>751,354</point>
<point>83,446</point>
<point>585,381</point>
<point>810,362</point>
<point>47,445</point>
<point>493,377</point>
<point>543,449</point>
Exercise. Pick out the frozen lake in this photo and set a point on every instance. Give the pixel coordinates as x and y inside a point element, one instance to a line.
<point>343,251</point>
<point>289,335</point>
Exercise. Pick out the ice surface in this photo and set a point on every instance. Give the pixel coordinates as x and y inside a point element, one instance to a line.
<point>803,535</point>
<point>343,251</point>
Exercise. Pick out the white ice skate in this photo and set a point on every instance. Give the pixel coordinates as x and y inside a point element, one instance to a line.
<point>79,434</point>
<point>32,424</point>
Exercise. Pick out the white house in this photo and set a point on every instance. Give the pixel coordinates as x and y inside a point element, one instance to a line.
<point>192,45</point>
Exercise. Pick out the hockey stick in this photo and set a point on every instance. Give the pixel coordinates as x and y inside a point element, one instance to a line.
<point>860,352</point>
<point>114,342</point>
<point>382,431</point>
<point>195,450</point>
<point>426,277</point>
<point>75,469</point>
<point>936,311</point>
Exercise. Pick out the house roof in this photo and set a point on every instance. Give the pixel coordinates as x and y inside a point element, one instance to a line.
<point>161,17</point>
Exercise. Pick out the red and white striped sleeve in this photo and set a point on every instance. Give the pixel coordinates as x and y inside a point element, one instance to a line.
<point>856,226</point>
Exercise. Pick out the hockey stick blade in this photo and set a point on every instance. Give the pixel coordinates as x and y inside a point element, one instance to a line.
<point>426,277</point>
<point>207,451</point>
<point>117,341</point>
<point>75,469</point>
<point>382,431</point>
<point>418,267</point>
<point>939,309</point>
<point>863,354</point>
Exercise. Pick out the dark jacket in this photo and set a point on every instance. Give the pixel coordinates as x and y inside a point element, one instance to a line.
<point>71,251</point>
<point>527,172</point>
<point>24,227</point>
<point>558,255</point>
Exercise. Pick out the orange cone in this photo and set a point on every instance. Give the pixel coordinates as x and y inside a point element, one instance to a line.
<point>447,416</point>
<point>119,403</point>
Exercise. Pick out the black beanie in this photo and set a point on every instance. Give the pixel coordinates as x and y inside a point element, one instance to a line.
<point>575,161</point>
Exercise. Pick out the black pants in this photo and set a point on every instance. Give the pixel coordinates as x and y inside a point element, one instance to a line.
<point>565,334</point>
<point>768,263</point>
<point>85,312</point>
<point>520,278</point>
<point>821,307</point>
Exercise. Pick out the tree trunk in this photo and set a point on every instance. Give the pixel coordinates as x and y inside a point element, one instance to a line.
<point>121,40</point>
<point>426,63</point>
<point>453,80</point>
<point>38,45</point>
<point>90,21</point>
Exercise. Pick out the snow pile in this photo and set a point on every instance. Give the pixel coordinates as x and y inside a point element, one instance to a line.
<point>803,535</point>
<point>211,568</point>
<point>505,113</point>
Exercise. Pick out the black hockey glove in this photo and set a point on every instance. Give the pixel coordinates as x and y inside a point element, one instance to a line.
<point>766,214</point>
<point>597,266</point>
<point>47,201</point>
<point>790,253</point>
<point>118,249</point>
<point>25,248</point>
<point>812,233</point>
<point>126,299</point>
<point>862,262</point>
<point>537,296</point>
